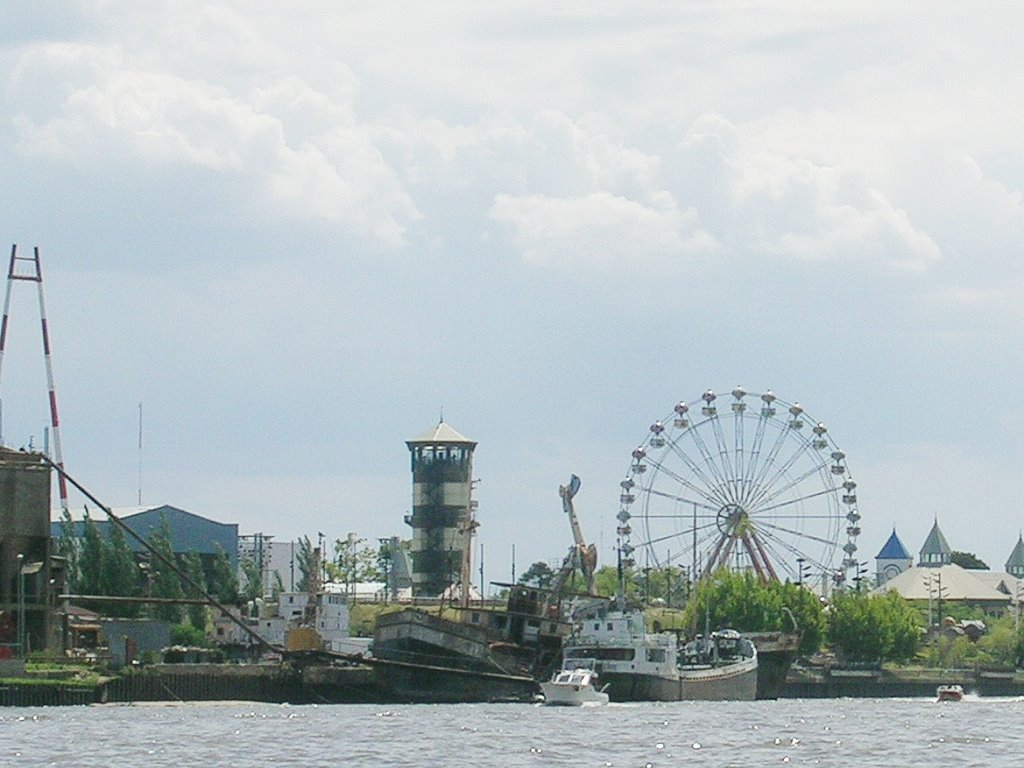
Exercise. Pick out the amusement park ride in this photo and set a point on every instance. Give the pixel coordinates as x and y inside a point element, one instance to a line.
<point>752,483</point>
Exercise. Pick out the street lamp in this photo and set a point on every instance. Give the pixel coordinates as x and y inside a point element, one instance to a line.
<point>21,605</point>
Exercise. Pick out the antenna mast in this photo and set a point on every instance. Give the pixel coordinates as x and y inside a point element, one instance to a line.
<point>35,274</point>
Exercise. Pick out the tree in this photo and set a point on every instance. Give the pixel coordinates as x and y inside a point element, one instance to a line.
<point>354,564</point>
<point>194,570</point>
<point>252,579</point>
<point>873,627</point>
<point>747,603</point>
<point>606,582</point>
<point>307,563</point>
<point>967,560</point>
<point>68,547</point>
<point>91,556</point>
<point>224,578</point>
<point>539,575</point>
<point>120,573</point>
<point>164,582</point>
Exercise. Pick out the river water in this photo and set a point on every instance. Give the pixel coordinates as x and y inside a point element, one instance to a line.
<point>896,733</point>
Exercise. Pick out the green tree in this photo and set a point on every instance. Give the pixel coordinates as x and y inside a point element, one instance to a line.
<point>197,614</point>
<point>873,627</point>
<point>68,546</point>
<point>307,562</point>
<point>252,579</point>
<point>539,575</point>
<point>91,556</point>
<point>165,583</point>
<point>747,603</point>
<point>354,562</point>
<point>224,578</point>
<point>968,560</point>
<point>120,573</point>
<point>606,582</point>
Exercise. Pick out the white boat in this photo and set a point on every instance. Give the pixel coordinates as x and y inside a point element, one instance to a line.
<point>574,687</point>
<point>638,665</point>
<point>949,693</point>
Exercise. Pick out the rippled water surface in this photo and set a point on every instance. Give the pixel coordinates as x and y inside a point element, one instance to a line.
<point>851,732</point>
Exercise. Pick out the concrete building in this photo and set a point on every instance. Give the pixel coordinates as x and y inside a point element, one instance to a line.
<point>442,518</point>
<point>329,617</point>
<point>26,592</point>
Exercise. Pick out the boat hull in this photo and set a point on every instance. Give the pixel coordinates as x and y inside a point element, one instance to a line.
<point>736,682</point>
<point>572,696</point>
<point>776,652</point>
<point>427,684</point>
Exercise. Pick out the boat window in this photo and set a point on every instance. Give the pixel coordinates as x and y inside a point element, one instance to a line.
<point>656,654</point>
<point>605,654</point>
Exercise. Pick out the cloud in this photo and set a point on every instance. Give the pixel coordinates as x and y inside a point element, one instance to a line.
<point>599,229</point>
<point>302,154</point>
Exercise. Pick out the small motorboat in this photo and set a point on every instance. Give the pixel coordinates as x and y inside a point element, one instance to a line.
<point>949,693</point>
<point>574,687</point>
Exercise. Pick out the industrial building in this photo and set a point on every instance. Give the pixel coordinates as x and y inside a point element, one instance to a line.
<point>28,583</point>
<point>189,532</point>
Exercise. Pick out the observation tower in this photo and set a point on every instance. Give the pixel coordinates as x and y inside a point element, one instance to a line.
<point>442,518</point>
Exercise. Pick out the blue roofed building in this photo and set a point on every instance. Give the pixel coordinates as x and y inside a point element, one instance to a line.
<point>189,532</point>
<point>892,560</point>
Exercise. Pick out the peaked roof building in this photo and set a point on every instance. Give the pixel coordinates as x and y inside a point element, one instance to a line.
<point>893,549</point>
<point>935,550</point>
<point>892,560</point>
<point>1015,563</point>
<point>946,583</point>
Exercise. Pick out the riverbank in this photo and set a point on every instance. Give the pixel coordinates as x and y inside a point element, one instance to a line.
<point>359,684</point>
<point>839,682</point>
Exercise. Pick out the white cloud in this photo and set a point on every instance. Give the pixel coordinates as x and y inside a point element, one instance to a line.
<point>598,230</point>
<point>302,154</point>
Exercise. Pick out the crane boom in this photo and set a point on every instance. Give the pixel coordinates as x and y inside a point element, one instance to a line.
<point>581,555</point>
<point>567,492</point>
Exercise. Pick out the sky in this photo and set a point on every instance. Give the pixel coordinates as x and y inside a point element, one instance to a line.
<point>292,236</point>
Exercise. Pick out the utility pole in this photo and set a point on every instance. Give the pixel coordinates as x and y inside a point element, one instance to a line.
<point>21,605</point>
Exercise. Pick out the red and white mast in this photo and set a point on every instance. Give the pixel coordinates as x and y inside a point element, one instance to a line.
<point>36,276</point>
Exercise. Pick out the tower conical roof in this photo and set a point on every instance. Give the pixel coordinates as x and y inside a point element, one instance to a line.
<point>935,547</point>
<point>442,434</point>
<point>893,549</point>
<point>1015,562</point>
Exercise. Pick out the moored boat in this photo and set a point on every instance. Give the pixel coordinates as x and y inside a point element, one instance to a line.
<point>479,654</point>
<point>637,665</point>
<point>574,687</point>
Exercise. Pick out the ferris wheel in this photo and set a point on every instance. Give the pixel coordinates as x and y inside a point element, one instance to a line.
<point>745,481</point>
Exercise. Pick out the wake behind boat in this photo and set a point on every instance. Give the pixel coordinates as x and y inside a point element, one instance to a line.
<point>574,687</point>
